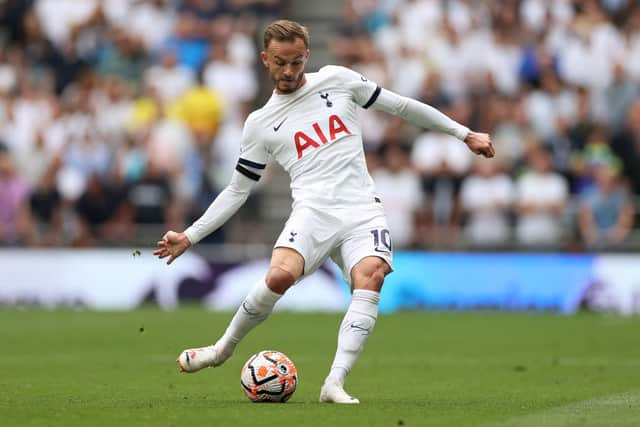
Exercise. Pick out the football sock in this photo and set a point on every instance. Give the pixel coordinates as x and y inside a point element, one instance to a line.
<point>356,326</point>
<point>254,309</point>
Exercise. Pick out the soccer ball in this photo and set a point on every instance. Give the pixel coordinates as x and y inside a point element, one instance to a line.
<point>269,376</point>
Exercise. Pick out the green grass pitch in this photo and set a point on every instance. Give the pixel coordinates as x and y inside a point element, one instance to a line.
<point>77,368</point>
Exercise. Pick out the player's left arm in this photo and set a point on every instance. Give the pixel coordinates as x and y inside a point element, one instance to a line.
<point>370,95</point>
<point>426,116</point>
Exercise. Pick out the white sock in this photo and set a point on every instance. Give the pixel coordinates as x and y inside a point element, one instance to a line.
<point>255,308</point>
<point>356,326</point>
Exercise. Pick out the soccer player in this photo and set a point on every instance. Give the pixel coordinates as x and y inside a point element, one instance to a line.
<point>310,127</point>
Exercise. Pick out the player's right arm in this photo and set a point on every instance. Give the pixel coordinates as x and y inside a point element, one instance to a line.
<point>251,164</point>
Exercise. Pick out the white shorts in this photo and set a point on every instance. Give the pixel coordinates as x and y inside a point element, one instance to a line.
<point>347,235</point>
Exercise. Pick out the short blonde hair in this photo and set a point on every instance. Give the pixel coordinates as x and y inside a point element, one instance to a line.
<point>285,30</point>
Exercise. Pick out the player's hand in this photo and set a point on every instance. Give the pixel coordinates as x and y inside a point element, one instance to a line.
<point>480,143</point>
<point>172,245</point>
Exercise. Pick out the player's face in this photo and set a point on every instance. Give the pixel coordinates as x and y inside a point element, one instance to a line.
<point>285,62</point>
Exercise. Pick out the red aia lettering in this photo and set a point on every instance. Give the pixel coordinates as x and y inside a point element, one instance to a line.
<point>323,138</point>
<point>301,147</point>
<point>336,126</point>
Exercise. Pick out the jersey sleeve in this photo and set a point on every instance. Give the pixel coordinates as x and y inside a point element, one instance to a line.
<point>363,91</point>
<point>367,93</point>
<point>422,115</point>
<point>222,208</point>
<point>253,153</point>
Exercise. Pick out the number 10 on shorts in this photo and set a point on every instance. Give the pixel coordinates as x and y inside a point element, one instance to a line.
<point>381,240</point>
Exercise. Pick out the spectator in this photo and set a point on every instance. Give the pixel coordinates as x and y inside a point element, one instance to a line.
<point>169,79</point>
<point>123,56</point>
<point>541,197</point>
<point>235,82</point>
<point>350,36</point>
<point>96,208</point>
<point>545,106</point>
<point>626,144</point>
<point>399,189</point>
<point>201,109</point>
<point>151,198</point>
<point>15,215</point>
<point>486,197</point>
<point>511,133</point>
<point>595,153</point>
<point>189,39</point>
<point>61,19</point>
<point>619,96</point>
<point>47,206</point>
<point>606,212</point>
<point>150,21</point>
<point>442,162</point>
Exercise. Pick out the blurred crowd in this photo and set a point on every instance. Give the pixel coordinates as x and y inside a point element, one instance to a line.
<point>556,83</point>
<point>117,115</point>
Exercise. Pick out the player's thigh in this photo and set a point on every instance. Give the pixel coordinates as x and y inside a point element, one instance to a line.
<point>311,234</point>
<point>369,273</point>
<point>368,246</point>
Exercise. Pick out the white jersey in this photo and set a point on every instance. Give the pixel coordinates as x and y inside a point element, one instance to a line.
<point>314,133</point>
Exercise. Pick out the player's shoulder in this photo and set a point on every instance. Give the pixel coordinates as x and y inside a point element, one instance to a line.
<point>259,116</point>
<point>254,123</point>
<point>340,72</point>
<point>260,119</point>
<point>253,116</point>
<point>330,69</point>
<point>252,119</point>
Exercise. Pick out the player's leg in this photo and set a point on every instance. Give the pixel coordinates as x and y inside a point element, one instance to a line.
<point>367,277</point>
<point>287,266</point>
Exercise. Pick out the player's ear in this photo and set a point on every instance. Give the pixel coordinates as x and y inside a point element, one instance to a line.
<point>263,57</point>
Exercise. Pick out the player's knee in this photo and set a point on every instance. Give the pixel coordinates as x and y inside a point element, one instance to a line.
<point>370,275</point>
<point>375,280</point>
<point>279,280</point>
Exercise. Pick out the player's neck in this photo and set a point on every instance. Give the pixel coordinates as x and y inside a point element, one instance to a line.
<point>303,81</point>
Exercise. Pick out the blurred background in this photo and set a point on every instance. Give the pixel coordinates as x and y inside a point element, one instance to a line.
<point>120,119</point>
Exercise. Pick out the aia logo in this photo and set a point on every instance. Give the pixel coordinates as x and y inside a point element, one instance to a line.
<point>335,128</point>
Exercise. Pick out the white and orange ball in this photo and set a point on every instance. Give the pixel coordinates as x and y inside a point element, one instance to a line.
<point>269,376</point>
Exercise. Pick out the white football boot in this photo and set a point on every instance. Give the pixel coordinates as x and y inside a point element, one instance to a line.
<point>333,392</point>
<point>194,359</point>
